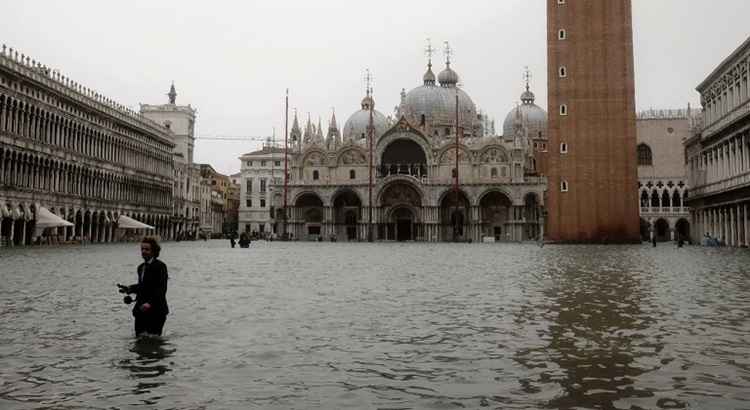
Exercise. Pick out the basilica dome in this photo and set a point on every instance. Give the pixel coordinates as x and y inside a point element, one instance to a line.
<point>355,128</point>
<point>432,108</point>
<point>533,116</point>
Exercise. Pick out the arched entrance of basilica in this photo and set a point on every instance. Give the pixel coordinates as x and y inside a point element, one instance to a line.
<point>308,214</point>
<point>495,211</point>
<point>347,208</point>
<point>454,216</point>
<point>400,203</point>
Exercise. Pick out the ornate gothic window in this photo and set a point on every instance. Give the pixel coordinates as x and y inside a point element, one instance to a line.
<point>644,155</point>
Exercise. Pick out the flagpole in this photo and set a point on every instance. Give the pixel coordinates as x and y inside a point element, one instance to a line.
<point>286,160</point>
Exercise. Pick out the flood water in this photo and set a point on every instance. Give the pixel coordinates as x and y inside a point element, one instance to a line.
<point>381,326</point>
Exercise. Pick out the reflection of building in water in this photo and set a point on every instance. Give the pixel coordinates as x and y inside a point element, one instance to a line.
<point>719,156</point>
<point>599,339</point>
<point>662,176</point>
<point>500,191</point>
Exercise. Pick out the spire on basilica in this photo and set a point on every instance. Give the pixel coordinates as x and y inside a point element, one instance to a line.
<point>309,132</point>
<point>319,133</point>
<point>429,76</point>
<point>368,102</point>
<point>334,136</point>
<point>448,77</point>
<point>172,94</point>
<point>527,98</point>
<point>296,134</point>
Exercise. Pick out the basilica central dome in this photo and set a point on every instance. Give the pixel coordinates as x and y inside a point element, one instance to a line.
<point>432,108</point>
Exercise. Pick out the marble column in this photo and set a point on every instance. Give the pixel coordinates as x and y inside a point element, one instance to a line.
<point>747,231</point>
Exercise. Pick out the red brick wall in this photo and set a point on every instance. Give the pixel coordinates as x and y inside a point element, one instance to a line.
<point>600,166</point>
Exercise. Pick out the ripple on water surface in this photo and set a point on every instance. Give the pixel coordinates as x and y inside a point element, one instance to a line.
<point>391,326</point>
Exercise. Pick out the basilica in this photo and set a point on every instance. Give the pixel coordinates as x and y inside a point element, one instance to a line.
<point>435,171</point>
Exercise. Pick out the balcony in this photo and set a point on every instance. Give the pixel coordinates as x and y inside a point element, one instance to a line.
<point>415,170</point>
<point>732,116</point>
<point>664,210</point>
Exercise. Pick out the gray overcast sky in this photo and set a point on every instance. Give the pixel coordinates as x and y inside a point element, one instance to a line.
<point>233,60</point>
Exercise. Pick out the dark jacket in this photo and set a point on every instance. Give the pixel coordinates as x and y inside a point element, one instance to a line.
<point>151,288</point>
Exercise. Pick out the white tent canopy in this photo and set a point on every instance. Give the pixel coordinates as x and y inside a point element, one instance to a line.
<point>125,222</point>
<point>46,219</point>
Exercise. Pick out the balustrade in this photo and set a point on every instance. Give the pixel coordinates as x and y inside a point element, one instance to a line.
<point>415,170</point>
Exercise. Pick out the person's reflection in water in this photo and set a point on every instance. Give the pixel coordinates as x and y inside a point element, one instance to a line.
<point>151,361</point>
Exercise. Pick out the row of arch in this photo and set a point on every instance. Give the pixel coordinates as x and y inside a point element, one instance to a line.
<point>18,225</point>
<point>663,198</point>
<point>110,144</point>
<point>35,172</point>
<point>409,150</point>
<point>662,231</point>
<point>401,214</point>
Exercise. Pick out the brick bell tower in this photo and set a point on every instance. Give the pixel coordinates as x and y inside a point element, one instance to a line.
<point>593,184</point>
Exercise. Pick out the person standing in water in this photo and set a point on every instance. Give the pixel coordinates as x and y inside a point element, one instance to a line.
<point>150,310</point>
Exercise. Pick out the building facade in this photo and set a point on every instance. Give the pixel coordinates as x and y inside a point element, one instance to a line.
<point>662,174</point>
<point>592,133</point>
<point>719,155</point>
<point>432,174</point>
<point>180,120</point>
<point>223,201</point>
<point>261,186</point>
<point>77,153</point>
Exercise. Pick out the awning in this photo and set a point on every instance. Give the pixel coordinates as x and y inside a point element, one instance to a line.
<point>46,219</point>
<point>125,222</point>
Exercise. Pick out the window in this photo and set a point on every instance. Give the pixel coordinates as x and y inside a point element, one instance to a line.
<point>277,163</point>
<point>563,148</point>
<point>262,203</point>
<point>212,183</point>
<point>263,185</point>
<point>249,184</point>
<point>352,174</point>
<point>563,109</point>
<point>263,163</point>
<point>645,157</point>
<point>454,173</point>
<point>560,1</point>
<point>563,186</point>
<point>316,175</point>
<point>249,203</point>
<point>563,72</point>
<point>421,120</point>
<point>493,172</point>
<point>249,163</point>
<point>562,34</point>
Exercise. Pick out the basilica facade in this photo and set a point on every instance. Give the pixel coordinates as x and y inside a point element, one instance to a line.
<point>434,172</point>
